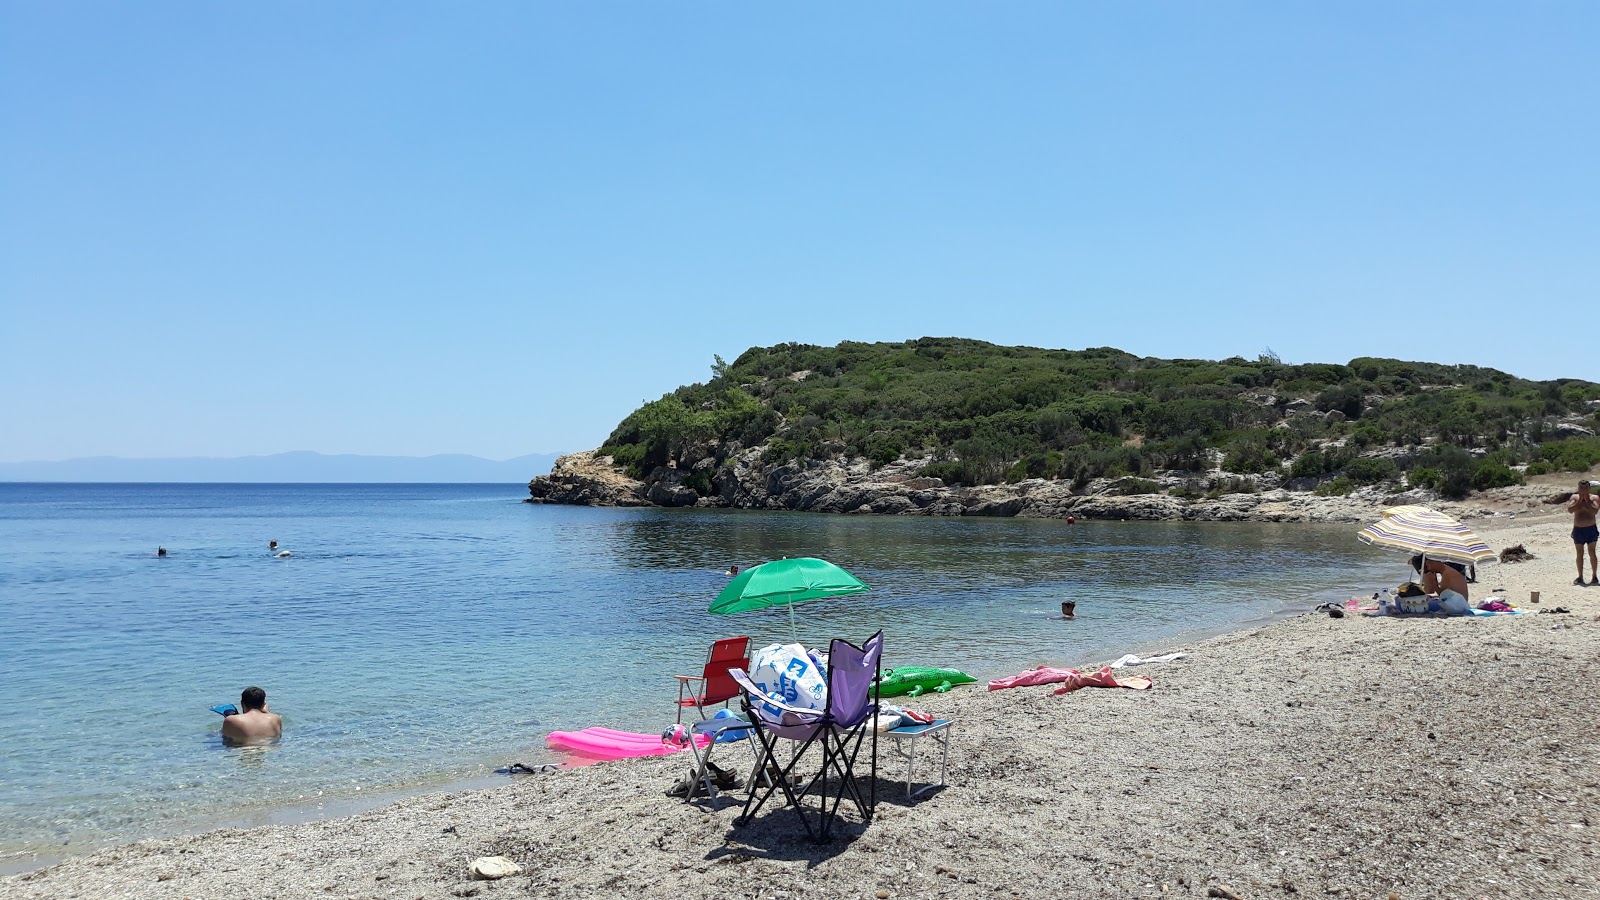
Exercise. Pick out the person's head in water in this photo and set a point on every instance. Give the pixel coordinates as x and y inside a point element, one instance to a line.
<point>161,551</point>
<point>272,545</point>
<point>252,698</point>
<point>1069,609</point>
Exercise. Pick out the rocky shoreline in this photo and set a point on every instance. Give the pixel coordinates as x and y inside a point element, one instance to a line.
<point>856,487</point>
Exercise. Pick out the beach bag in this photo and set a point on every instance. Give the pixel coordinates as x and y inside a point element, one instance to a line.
<point>787,672</point>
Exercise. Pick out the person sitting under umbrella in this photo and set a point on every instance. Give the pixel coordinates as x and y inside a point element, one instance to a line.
<point>1445,583</point>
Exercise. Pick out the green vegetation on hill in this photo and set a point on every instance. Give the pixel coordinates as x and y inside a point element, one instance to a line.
<point>985,414</point>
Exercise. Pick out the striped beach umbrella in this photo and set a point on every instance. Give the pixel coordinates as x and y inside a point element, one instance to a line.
<point>1420,530</point>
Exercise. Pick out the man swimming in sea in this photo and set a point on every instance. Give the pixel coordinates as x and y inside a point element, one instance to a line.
<point>1584,531</point>
<point>256,724</point>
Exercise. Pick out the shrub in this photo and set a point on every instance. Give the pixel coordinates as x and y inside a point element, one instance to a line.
<point>883,449</point>
<point>782,450</point>
<point>1249,455</point>
<point>1456,467</point>
<point>1367,435</point>
<point>1035,465</point>
<point>1318,462</point>
<point>1425,477</point>
<point>1188,453</point>
<point>1571,454</point>
<point>1371,470</point>
<point>948,472</point>
<point>1491,474</point>
<point>700,482</point>
<point>1345,398</point>
<point>1338,487</point>
<point>629,456</point>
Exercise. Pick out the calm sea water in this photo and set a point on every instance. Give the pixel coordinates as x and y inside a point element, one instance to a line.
<point>423,634</point>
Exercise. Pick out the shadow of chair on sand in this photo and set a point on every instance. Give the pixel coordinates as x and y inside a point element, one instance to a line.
<point>776,834</point>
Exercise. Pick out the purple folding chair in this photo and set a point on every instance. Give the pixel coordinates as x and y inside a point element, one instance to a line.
<point>838,728</point>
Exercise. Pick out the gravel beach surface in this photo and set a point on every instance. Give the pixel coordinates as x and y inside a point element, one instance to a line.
<point>1350,757</point>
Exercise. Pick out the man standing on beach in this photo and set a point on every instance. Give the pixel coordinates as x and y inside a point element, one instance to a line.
<point>1584,531</point>
<point>256,724</point>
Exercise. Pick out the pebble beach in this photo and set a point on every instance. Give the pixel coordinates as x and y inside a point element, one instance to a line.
<point>1314,756</point>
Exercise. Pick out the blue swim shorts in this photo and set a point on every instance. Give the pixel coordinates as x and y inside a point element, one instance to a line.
<point>1586,534</point>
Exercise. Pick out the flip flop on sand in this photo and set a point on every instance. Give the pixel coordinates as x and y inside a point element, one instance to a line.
<point>525,769</point>
<point>722,778</point>
<point>682,786</point>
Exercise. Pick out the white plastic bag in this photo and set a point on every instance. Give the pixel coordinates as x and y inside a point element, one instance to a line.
<point>788,673</point>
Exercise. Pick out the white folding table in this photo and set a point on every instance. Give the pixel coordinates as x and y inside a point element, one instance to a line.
<point>939,731</point>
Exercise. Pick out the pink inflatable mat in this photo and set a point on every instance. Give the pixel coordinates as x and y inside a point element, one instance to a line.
<point>608,743</point>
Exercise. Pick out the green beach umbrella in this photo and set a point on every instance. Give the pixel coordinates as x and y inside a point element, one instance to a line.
<point>785,582</point>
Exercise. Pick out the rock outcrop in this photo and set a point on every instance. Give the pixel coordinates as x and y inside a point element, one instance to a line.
<point>587,479</point>
<point>855,486</point>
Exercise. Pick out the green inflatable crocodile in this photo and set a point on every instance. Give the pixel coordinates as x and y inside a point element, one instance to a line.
<point>913,680</point>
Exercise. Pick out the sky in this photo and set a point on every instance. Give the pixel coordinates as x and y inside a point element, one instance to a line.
<point>497,228</point>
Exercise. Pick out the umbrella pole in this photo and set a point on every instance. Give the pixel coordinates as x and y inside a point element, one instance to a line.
<point>794,630</point>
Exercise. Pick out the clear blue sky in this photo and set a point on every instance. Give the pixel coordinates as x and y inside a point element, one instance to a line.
<point>495,228</point>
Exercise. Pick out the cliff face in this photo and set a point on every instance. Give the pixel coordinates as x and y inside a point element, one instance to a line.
<point>854,486</point>
<point>586,479</point>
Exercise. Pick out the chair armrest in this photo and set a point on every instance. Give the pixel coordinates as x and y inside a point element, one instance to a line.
<point>690,677</point>
<point>754,691</point>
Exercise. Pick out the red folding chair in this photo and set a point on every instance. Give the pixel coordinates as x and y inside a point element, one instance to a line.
<point>714,685</point>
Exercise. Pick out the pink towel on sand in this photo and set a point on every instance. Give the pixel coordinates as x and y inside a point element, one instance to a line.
<point>1069,679</point>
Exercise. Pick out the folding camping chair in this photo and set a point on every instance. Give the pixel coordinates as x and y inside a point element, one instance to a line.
<point>730,730</point>
<point>838,728</point>
<point>714,684</point>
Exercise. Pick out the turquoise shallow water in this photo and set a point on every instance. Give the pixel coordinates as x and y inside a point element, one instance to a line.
<point>425,633</point>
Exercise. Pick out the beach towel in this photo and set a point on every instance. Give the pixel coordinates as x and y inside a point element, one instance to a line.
<point>1131,660</point>
<point>1103,678</point>
<point>1070,679</point>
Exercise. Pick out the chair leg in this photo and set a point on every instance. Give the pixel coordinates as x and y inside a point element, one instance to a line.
<point>839,755</point>
<point>850,750</point>
<point>753,804</point>
<point>768,755</point>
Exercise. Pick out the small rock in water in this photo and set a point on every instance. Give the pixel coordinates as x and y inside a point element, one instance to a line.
<point>487,868</point>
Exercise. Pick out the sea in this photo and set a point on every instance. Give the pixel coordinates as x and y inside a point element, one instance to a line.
<point>425,636</point>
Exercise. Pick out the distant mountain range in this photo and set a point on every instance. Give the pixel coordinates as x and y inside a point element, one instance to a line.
<point>298,467</point>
